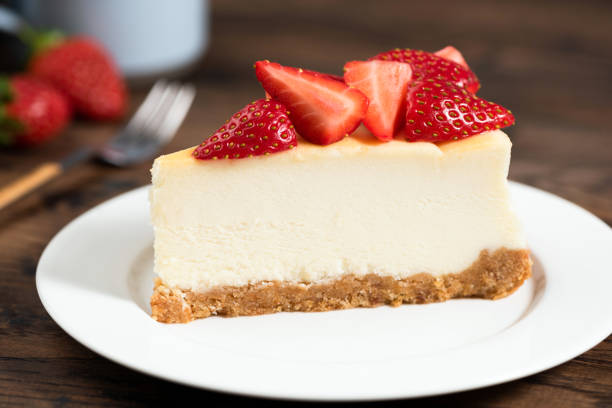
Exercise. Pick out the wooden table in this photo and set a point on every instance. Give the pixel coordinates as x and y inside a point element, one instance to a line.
<point>550,62</point>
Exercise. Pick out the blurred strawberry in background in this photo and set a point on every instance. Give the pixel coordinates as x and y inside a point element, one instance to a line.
<point>31,111</point>
<point>89,59</point>
<point>82,69</point>
<point>48,76</point>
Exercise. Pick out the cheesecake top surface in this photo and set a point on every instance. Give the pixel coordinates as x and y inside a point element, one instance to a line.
<point>359,143</point>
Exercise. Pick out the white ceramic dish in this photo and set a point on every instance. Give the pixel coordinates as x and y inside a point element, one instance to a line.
<point>95,278</point>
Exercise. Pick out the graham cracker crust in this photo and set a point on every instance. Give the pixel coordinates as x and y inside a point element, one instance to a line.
<point>491,276</point>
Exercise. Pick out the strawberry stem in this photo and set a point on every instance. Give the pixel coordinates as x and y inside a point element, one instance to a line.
<point>6,92</point>
<point>9,127</point>
<point>39,41</point>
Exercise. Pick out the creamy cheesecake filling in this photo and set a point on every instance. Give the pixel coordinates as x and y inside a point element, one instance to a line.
<point>319,212</point>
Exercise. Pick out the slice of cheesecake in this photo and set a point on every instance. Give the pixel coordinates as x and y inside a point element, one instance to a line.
<point>358,223</point>
<point>257,219</point>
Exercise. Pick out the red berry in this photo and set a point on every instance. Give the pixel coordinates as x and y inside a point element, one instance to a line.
<point>427,65</point>
<point>81,68</point>
<point>323,109</point>
<point>34,112</point>
<point>440,110</point>
<point>335,77</point>
<point>331,76</point>
<point>385,83</point>
<point>452,54</point>
<point>261,127</point>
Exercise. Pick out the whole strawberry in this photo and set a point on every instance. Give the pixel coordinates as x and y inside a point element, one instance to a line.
<point>261,127</point>
<point>31,111</point>
<point>81,68</point>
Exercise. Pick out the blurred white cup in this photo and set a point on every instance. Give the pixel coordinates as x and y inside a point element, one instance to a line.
<point>147,38</point>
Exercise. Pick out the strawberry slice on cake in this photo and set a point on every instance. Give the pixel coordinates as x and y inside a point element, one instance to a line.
<point>323,109</point>
<point>385,83</point>
<point>441,111</point>
<point>429,65</point>
<point>452,54</point>
<point>261,127</point>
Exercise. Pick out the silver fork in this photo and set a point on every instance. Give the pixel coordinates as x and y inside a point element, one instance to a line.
<point>153,125</point>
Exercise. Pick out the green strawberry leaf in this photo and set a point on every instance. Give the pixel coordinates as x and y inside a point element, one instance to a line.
<point>39,41</point>
<point>6,139</point>
<point>6,92</point>
<point>9,128</point>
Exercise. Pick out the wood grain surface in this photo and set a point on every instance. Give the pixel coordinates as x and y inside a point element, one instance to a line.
<point>548,61</point>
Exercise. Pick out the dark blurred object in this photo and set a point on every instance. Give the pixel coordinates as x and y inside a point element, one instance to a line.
<point>14,53</point>
<point>13,50</point>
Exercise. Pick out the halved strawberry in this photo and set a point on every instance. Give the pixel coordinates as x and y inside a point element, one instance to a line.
<point>323,109</point>
<point>385,83</point>
<point>428,65</point>
<point>336,77</point>
<point>452,54</point>
<point>440,110</point>
<point>261,127</point>
<point>331,76</point>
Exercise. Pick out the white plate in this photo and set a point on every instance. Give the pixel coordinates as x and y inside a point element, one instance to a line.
<point>95,278</point>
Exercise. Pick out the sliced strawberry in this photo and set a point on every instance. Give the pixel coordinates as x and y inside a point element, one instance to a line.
<point>323,110</point>
<point>331,76</point>
<point>385,83</point>
<point>261,127</point>
<point>452,54</point>
<point>440,110</point>
<point>336,77</point>
<point>428,65</point>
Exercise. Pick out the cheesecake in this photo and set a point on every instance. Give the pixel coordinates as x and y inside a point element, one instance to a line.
<point>304,202</point>
<point>356,223</point>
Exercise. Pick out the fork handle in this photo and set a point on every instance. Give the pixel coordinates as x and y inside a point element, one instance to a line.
<point>41,175</point>
<point>31,181</point>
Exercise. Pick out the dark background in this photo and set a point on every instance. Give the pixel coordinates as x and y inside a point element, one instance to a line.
<point>548,61</point>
